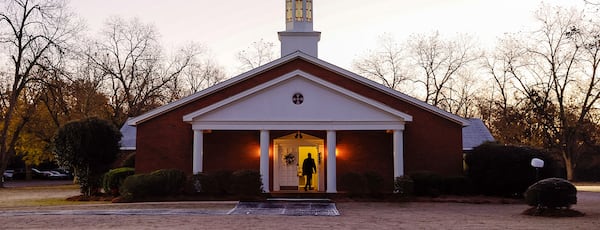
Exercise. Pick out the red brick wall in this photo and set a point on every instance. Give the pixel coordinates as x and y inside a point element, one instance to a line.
<point>231,150</point>
<point>430,141</point>
<point>365,151</point>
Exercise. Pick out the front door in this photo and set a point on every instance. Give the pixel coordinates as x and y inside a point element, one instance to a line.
<point>290,152</point>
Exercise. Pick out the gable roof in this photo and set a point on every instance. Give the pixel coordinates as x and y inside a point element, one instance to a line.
<point>174,105</point>
<point>129,133</point>
<point>475,134</point>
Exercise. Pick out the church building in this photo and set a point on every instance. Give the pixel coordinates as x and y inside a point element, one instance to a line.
<point>270,118</point>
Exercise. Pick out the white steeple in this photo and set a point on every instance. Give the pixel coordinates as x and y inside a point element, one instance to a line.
<point>299,34</point>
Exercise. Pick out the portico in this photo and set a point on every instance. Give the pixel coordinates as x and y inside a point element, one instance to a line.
<point>325,107</point>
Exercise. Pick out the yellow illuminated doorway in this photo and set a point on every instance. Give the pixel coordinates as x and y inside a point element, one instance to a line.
<point>303,152</point>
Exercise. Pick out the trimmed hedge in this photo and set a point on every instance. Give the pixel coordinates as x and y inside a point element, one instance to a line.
<point>505,170</point>
<point>353,183</point>
<point>427,183</point>
<point>404,186</point>
<point>551,193</point>
<point>356,184</point>
<point>217,183</point>
<point>244,183</point>
<point>114,178</point>
<point>164,182</point>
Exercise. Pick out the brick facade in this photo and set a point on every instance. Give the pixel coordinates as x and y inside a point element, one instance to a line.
<point>431,142</point>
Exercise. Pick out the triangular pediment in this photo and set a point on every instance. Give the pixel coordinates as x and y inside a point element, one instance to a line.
<point>253,93</point>
<point>298,98</point>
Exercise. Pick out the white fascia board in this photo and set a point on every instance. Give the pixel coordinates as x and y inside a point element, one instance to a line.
<point>181,102</point>
<point>299,125</point>
<point>390,91</point>
<point>405,117</point>
<point>168,107</point>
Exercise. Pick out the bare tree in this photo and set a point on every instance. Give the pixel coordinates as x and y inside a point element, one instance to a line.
<point>385,65</point>
<point>259,53</point>
<point>558,79</point>
<point>201,75</point>
<point>33,33</point>
<point>439,62</point>
<point>138,75</point>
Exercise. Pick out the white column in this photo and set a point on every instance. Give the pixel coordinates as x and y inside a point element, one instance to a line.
<point>198,153</point>
<point>331,164</point>
<point>264,159</point>
<point>398,153</point>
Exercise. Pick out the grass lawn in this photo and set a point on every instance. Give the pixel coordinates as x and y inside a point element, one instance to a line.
<point>38,196</point>
<point>588,186</point>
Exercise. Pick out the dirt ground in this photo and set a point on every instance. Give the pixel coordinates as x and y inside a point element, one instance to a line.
<point>354,215</point>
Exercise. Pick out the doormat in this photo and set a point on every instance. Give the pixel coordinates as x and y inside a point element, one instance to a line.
<point>287,207</point>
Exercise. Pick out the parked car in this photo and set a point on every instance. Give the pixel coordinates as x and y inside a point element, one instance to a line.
<point>39,174</point>
<point>67,174</point>
<point>8,174</point>
<point>54,174</point>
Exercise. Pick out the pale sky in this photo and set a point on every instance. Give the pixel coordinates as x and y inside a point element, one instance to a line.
<point>348,28</point>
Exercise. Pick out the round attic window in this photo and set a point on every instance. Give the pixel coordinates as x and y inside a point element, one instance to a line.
<point>297,98</point>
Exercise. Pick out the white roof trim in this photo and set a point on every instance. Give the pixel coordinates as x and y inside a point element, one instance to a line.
<point>168,107</point>
<point>181,102</point>
<point>190,117</point>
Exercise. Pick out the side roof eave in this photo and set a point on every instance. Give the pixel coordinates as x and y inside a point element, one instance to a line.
<point>176,104</point>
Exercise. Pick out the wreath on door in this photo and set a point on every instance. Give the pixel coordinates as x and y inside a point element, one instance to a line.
<point>289,158</point>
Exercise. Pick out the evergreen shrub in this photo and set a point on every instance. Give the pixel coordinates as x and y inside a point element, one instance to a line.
<point>503,170</point>
<point>374,182</point>
<point>164,182</point>
<point>551,193</point>
<point>404,186</point>
<point>114,178</point>
<point>426,183</point>
<point>246,183</point>
<point>353,183</point>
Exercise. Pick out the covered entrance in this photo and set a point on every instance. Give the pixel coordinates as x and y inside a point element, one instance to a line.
<point>297,101</point>
<point>289,154</point>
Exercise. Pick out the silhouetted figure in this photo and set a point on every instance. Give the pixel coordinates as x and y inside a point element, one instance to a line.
<point>308,168</point>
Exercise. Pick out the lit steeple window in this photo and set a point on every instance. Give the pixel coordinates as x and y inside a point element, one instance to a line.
<point>299,15</point>
<point>288,11</point>
<point>308,10</point>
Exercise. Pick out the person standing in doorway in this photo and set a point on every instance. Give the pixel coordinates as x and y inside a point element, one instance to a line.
<point>308,168</point>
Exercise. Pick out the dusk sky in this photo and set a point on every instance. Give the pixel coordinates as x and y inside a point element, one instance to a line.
<point>349,27</point>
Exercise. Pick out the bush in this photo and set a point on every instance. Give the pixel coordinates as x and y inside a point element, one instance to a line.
<point>374,183</point>
<point>426,183</point>
<point>113,179</point>
<point>88,148</point>
<point>551,193</point>
<point>223,180</point>
<point>404,186</point>
<point>205,183</point>
<point>216,183</point>
<point>506,170</point>
<point>172,180</point>
<point>456,185</point>
<point>353,183</point>
<point>246,183</point>
<point>164,182</point>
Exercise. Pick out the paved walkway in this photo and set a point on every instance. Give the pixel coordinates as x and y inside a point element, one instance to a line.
<point>116,212</point>
<point>289,207</point>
